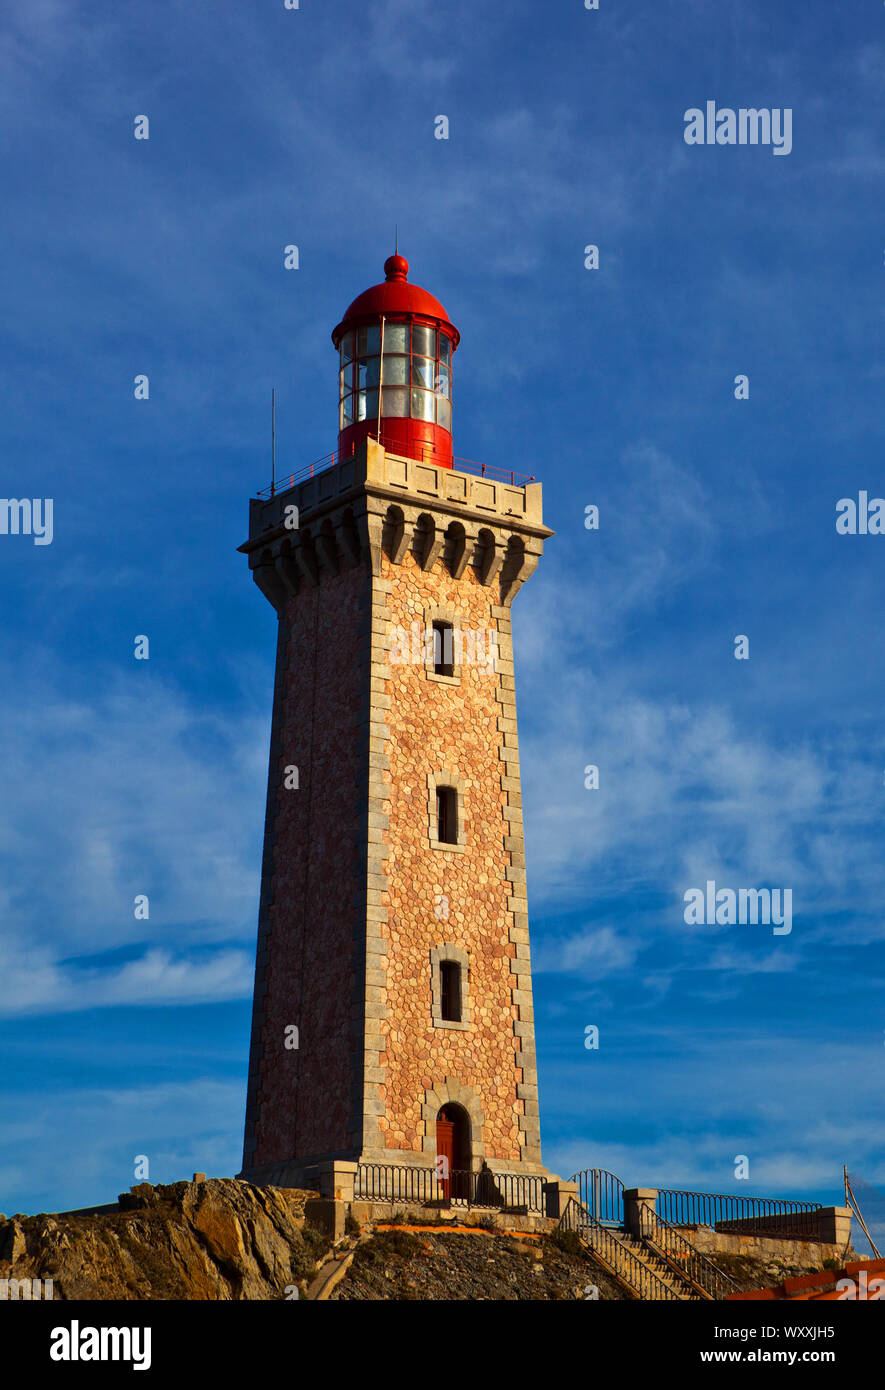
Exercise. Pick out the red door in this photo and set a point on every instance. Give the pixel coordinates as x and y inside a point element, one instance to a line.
<point>445,1149</point>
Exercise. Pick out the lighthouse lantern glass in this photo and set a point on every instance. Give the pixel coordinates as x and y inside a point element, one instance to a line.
<point>396,372</point>
<point>422,405</point>
<point>368,340</point>
<point>423,340</point>
<point>414,375</point>
<point>422,372</point>
<point>396,338</point>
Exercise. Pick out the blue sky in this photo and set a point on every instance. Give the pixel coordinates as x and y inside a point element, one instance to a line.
<point>614,387</point>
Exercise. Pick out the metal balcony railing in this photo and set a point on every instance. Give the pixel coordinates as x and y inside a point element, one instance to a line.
<point>774,1216</point>
<point>427,454</point>
<point>384,1182</point>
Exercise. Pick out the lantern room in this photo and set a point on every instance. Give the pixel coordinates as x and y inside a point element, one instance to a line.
<point>395,347</point>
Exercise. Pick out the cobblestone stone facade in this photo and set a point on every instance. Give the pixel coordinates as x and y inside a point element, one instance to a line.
<point>361,901</point>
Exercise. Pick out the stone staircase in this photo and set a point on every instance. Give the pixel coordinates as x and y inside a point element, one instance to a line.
<point>679,1286</point>
<point>635,1266</point>
<point>653,1267</point>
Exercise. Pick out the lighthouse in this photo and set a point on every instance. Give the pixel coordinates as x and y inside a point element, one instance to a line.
<point>392,1025</point>
<point>395,345</point>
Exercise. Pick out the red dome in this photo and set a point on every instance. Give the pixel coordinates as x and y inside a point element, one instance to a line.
<point>395,296</point>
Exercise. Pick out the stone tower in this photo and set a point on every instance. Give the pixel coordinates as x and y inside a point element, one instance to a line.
<point>392,1018</point>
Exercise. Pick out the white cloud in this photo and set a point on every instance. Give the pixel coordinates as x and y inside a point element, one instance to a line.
<point>698,1101</point>
<point>600,950</point>
<point>82,1143</point>
<point>135,791</point>
<point>37,982</point>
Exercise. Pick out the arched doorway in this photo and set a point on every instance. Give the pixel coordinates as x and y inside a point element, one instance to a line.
<point>453,1144</point>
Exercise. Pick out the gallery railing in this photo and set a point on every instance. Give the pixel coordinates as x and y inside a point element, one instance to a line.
<point>760,1216</point>
<point>383,1182</point>
<point>284,481</point>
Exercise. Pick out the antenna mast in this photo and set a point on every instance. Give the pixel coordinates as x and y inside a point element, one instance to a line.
<point>852,1202</point>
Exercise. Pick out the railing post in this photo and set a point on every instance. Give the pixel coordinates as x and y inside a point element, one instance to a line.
<point>832,1225</point>
<point>558,1194</point>
<point>639,1210</point>
<point>337,1180</point>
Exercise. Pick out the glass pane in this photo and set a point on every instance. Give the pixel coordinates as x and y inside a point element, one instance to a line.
<point>442,385</point>
<point>422,372</point>
<point>396,337</point>
<point>423,341</point>
<point>444,413</point>
<point>367,371</point>
<point>422,405</point>
<point>368,340</point>
<point>345,379</point>
<point>395,400</point>
<point>367,405</point>
<point>346,412</point>
<point>396,371</point>
<point>443,348</point>
<point>347,347</point>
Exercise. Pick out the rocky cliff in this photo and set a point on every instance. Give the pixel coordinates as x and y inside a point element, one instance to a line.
<point>229,1240</point>
<point>220,1239</point>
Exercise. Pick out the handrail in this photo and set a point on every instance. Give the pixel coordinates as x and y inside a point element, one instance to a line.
<point>407,1183</point>
<point>729,1213</point>
<point>683,1257</point>
<point>615,1255</point>
<point>332,460</point>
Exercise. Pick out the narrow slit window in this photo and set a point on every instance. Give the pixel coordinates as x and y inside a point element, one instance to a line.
<point>443,649</point>
<point>447,815</point>
<point>450,991</point>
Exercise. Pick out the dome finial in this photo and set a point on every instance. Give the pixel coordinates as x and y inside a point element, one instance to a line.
<point>396,267</point>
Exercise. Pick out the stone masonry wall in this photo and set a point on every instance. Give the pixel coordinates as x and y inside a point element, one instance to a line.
<point>307,962</point>
<point>359,906</point>
<point>457,896</point>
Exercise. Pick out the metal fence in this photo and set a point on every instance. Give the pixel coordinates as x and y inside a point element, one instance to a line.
<point>672,1247</point>
<point>384,1182</point>
<point>774,1216</point>
<point>601,1194</point>
<point>285,481</point>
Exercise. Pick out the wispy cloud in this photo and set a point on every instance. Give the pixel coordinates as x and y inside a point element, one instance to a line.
<point>137,791</point>
<point>94,1158</point>
<point>36,982</point>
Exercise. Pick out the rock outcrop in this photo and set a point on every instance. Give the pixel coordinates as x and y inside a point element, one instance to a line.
<point>221,1239</point>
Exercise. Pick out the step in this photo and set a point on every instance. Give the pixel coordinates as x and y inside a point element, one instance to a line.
<point>625,1246</point>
